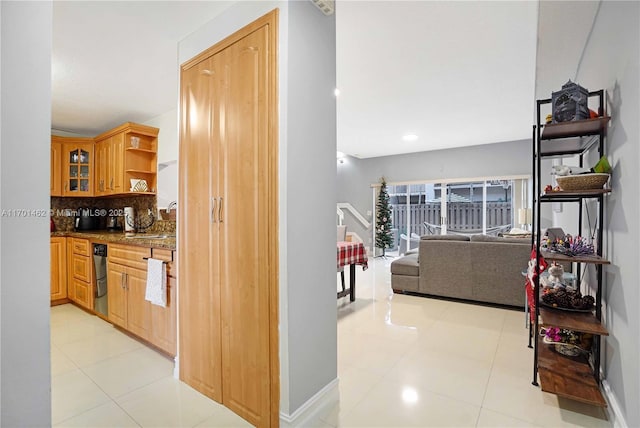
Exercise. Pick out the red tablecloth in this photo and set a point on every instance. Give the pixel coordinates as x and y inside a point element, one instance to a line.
<point>352,253</point>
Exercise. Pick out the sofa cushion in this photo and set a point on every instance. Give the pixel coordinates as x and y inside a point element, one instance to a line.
<point>400,283</point>
<point>444,238</point>
<point>488,238</point>
<point>407,265</point>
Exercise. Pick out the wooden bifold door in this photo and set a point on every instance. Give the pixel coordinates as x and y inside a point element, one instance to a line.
<point>228,245</point>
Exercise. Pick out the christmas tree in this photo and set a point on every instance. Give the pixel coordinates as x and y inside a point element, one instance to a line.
<point>384,239</point>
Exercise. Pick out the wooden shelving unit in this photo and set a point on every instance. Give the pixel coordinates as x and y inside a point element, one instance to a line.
<point>557,257</point>
<point>577,378</point>
<point>570,377</point>
<point>585,322</point>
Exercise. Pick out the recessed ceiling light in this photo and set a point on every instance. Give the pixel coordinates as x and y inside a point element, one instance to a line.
<point>336,92</point>
<point>409,137</point>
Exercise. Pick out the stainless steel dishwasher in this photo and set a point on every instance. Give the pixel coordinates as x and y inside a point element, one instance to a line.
<point>100,303</point>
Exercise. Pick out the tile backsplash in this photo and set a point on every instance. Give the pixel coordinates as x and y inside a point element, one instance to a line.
<point>63,210</point>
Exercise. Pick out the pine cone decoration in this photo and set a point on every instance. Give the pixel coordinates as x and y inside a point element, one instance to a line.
<point>588,302</point>
<point>577,302</point>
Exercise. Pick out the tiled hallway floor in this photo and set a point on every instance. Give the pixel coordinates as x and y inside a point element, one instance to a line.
<point>403,361</point>
<point>103,378</point>
<point>406,361</point>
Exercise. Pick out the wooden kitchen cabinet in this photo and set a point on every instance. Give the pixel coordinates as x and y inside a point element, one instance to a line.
<point>127,282</point>
<point>81,272</point>
<point>56,167</point>
<point>58,251</point>
<point>77,166</point>
<point>109,165</point>
<point>103,149</point>
<point>163,320</point>
<point>116,294</point>
<point>129,152</point>
<point>138,309</point>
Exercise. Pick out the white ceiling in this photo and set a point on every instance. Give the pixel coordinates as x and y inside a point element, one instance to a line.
<point>116,61</point>
<point>453,73</point>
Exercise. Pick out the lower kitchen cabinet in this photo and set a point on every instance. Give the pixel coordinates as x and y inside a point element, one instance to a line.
<point>117,294</point>
<point>127,282</point>
<point>58,251</point>
<point>163,320</point>
<point>80,284</point>
<point>138,309</point>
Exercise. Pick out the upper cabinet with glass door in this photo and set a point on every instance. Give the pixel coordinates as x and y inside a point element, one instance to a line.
<point>77,167</point>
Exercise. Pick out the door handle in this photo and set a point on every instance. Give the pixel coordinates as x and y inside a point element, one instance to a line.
<point>220,210</point>
<point>111,186</point>
<point>122,280</point>
<point>213,210</point>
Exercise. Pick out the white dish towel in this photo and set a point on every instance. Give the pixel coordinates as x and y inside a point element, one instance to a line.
<point>156,291</point>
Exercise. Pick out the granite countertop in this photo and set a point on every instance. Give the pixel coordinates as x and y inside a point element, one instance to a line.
<point>139,239</point>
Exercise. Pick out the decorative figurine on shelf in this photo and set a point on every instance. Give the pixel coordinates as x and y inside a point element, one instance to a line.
<point>569,103</point>
<point>556,273</point>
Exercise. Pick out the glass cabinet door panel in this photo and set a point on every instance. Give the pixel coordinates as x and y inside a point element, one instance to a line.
<point>73,156</point>
<point>84,185</point>
<point>84,171</point>
<point>84,156</point>
<point>73,185</point>
<point>73,170</point>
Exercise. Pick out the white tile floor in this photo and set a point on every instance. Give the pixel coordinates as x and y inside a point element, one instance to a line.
<point>403,361</point>
<point>103,378</point>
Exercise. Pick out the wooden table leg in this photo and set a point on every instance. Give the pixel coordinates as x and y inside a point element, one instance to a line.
<point>352,282</point>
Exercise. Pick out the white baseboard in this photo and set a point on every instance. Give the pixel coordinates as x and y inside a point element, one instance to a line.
<point>616,411</point>
<point>313,407</point>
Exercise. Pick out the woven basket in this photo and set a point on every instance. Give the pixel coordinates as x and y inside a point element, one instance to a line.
<point>592,181</point>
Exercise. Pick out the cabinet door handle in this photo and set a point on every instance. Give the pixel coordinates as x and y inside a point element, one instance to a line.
<point>111,186</point>
<point>213,210</point>
<point>65,187</point>
<point>220,211</point>
<point>122,280</point>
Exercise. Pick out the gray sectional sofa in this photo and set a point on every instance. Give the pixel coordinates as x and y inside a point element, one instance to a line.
<point>479,268</point>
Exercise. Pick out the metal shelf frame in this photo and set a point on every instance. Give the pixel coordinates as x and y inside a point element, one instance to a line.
<point>584,136</point>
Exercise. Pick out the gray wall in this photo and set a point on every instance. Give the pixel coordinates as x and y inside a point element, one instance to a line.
<point>609,59</point>
<point>311,184</point>
<point>307,134</point>
<point>25,52</point>
<point>355,176</point>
